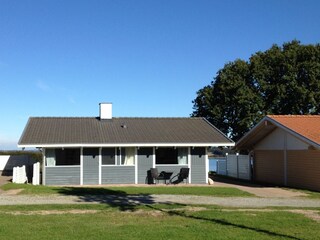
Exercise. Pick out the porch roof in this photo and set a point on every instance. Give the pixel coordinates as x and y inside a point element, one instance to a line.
<point>90,131</point>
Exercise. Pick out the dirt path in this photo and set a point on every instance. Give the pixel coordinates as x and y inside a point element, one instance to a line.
<point>258,190</point>
<point>4,180</point>
<point>267,197</point>
<point>152,199</point>
<point>266,192</point>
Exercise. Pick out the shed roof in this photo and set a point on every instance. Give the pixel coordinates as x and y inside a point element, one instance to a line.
<point>87,131</point>
<point>304,127</point>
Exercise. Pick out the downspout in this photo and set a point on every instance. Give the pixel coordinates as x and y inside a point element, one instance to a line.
<point>237,154</point>
<point>227,164</point>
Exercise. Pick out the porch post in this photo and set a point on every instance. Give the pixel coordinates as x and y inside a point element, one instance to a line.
<point>81,166</point>
<point>154,157</point>
<point>207,165</point>
<point>100,163</point>
<point>189,164</point>
<point>136,165</point>
<point>43,166</point>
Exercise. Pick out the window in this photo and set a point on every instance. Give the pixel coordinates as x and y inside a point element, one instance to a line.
<point>50,157</point>
<point>118,156</point>
<point>172,156</point>
<point>183,156</point>
<point>62,157</point>
<point>108,156</point>
<point>127,156</point>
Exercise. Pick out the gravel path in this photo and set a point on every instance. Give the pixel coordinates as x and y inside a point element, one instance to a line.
<point>269,197</point>
<point>241,201</point>
<point>258,190</point>
<point>151,199</point>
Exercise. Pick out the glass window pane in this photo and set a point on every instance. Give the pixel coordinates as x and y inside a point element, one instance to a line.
<point>183,156</point>
<point>68,156</point>
<point>108,156</point>
<point>166,156</point>
<point>50,157</point>
<point>172,156</point>
<point>127,156</point>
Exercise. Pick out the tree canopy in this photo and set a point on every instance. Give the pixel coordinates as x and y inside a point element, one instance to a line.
<point>282,80</point>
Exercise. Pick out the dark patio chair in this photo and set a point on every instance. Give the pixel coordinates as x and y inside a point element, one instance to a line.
<point>156,176</point>
<point>181,176</point>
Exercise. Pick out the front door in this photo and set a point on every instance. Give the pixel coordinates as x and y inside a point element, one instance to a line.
<point>91,166</point>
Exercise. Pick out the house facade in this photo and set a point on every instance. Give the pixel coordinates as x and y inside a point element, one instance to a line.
<point>110,150</point>
<point>285,150</point>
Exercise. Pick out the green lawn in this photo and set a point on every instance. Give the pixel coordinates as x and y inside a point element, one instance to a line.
<point>131,190</point>
<point>152,222</point>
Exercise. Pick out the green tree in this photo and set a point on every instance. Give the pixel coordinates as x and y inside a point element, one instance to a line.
<point>288,78</point>
<point>281,80</point>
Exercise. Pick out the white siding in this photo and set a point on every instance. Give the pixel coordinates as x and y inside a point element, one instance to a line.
<point>275,141</point>
<point>294,143</point>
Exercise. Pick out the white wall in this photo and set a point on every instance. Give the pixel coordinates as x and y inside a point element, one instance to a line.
<point>7,162</point>
<point>276,141</point>
<point>3,161</point>
<point>294,143</point>
<point>237,166</point>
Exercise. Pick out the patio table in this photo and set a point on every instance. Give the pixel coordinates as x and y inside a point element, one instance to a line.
<point>166,176</point>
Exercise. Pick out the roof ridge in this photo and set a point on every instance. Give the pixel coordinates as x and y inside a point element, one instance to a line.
<point>294,116</point>
<point>59,117</point>
<point>162,117</point>
<point>92,117</point>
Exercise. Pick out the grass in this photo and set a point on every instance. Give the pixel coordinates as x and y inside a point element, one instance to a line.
<point>151,221</point>
<point>131,190</point>
<point>161,221</point>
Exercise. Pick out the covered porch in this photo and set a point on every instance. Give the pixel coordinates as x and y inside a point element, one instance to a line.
<point>121,164</point>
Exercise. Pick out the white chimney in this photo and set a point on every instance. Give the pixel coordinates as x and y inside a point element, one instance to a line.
<point>105,111</point>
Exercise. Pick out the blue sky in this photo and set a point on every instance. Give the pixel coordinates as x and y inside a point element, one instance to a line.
<point>147,57</point>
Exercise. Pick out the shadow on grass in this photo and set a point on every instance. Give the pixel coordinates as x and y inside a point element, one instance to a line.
<point>124,202</point>
<point>222,222</point>
<point>113,198</point>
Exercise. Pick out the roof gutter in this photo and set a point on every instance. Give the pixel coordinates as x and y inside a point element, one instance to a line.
<point>229,144</point>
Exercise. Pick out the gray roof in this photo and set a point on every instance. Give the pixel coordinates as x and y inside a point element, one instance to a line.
<point>41,131</point>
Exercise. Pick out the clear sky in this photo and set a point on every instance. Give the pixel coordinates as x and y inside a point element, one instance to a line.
<point>147,57</point>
